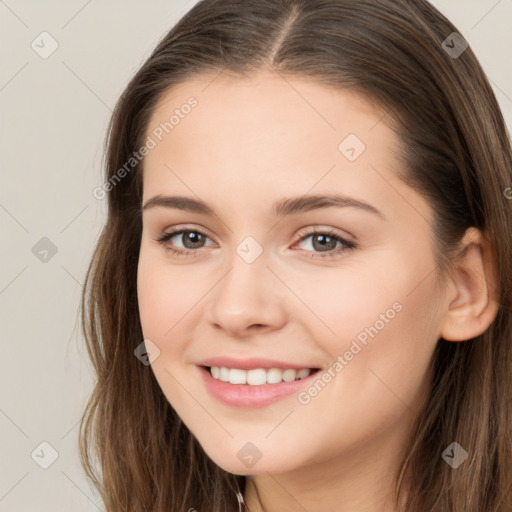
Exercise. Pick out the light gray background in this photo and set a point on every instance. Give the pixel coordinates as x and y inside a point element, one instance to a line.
<point>54,114</point>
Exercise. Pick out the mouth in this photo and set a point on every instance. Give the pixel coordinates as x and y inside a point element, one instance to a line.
<point>258,376</point>
<point>251,388</point>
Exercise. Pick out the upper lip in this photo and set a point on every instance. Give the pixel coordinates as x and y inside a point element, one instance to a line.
<point>251,363</point>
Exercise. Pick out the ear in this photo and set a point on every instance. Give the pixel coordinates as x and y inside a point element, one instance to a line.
<point>471,292</point>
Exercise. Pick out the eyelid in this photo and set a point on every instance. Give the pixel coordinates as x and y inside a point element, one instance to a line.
<point>317,228</point>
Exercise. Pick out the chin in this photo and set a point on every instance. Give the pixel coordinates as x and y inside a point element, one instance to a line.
<point>237,467</point>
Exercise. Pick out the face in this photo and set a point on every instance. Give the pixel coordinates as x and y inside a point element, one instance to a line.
<point>345,287</point>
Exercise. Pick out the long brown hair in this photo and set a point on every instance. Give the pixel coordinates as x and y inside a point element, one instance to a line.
<point>456,152</point>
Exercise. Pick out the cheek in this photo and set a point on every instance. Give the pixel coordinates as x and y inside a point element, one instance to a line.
<point>348,299</point>
<point>154,301</point>
<point>383,323</point>
<point>164,301</point>
<point>387,345</point>
<point>165,294</point>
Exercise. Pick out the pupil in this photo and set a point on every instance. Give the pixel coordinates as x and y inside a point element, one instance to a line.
<point>193,237</point>
<point>324,241</point>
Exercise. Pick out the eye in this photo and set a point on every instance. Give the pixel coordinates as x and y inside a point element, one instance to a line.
<point>326,241</point>
<point>193,238</point>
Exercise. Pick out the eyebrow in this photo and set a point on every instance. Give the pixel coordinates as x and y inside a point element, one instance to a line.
<point>289,206</point>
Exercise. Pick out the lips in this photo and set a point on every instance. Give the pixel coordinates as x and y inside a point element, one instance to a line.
<point>250,396</point>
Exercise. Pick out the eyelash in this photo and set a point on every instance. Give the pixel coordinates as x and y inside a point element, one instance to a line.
<point>348,245</point>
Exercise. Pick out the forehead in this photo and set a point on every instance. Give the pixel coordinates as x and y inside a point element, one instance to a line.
<point>265,114</point>
<point>265,102</point>
<point>267,134</point>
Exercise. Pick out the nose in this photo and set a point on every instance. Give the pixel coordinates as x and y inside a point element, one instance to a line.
<point>248,298</point>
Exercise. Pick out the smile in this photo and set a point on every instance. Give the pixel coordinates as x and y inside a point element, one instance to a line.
<point>257,387</point>
<point>258,376</point>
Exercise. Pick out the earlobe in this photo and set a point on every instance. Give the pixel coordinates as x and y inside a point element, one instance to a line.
<point>472,304</point>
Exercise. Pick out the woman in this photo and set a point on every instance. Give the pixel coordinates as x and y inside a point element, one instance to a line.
<point>301,298</point>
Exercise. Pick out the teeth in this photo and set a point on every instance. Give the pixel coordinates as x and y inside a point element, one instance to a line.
<point>257,376</point>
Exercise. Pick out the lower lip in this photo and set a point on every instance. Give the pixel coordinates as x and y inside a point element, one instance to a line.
<point>245,395</point>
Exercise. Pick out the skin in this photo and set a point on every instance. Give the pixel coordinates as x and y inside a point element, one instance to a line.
<point>248,143</point>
